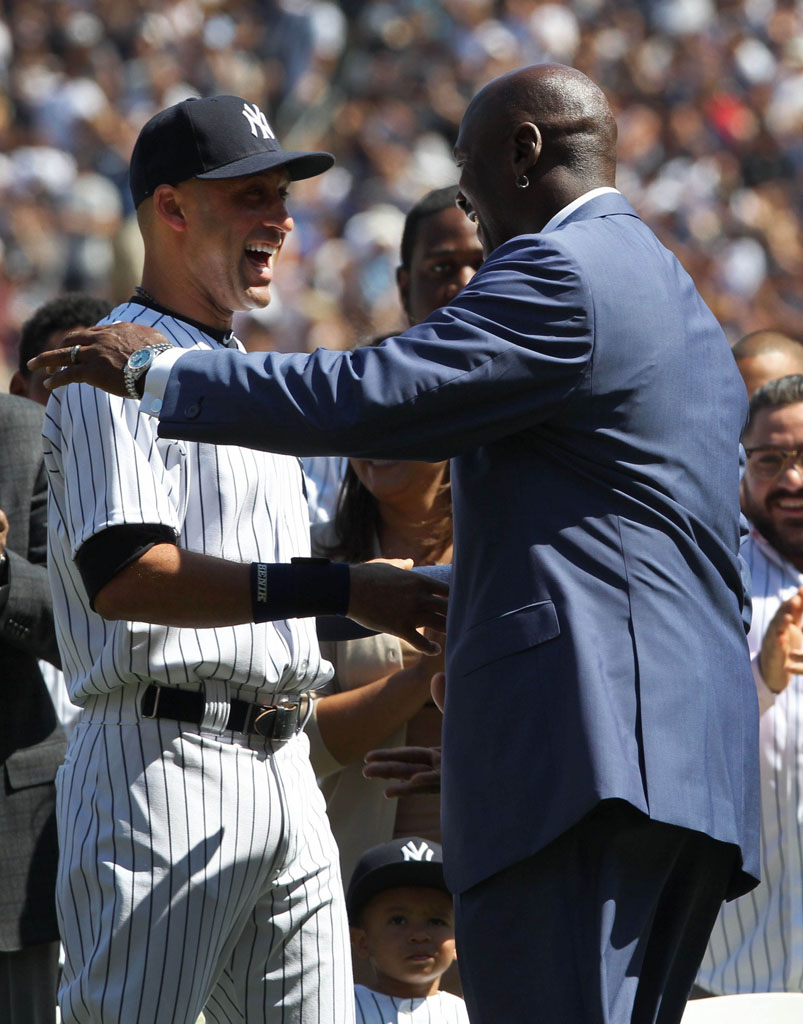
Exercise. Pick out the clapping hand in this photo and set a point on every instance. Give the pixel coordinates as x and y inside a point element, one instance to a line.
<point>781,654</point>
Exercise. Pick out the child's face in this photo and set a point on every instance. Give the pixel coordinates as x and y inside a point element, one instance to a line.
<point>408,935</point>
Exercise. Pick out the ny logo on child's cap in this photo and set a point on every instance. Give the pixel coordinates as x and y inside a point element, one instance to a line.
<point>412,852</point>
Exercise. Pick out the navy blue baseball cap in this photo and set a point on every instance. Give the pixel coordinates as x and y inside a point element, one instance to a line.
<point>214,137</point>
<point>410,861</point>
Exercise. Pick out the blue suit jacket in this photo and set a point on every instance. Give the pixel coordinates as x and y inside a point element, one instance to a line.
<point>593,410</point>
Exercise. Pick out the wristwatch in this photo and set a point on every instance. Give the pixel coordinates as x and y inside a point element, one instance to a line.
<point>138,364</point>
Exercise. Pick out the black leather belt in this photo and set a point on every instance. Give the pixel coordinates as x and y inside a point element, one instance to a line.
<point>275,722</point>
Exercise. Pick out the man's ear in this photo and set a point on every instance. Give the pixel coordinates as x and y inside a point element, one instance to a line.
<point>168,207</point>
<point>18,385</point>
<point>359,941</point>
<point>403,285</point>
<point>528,142</point>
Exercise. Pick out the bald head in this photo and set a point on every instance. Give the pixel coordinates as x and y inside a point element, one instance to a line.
<point>530,142</point>
<point>767,355</point>
<point>577,126</point>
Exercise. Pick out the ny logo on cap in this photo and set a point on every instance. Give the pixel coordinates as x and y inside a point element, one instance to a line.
<point>257,120</point>
<point>412,852</point>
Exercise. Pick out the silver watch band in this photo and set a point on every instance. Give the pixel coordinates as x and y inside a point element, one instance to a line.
<point>132,374</point>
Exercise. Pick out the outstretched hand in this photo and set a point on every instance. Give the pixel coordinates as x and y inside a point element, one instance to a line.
<point>101,358</point>
<point>387,597</point>
<point>417,769</point>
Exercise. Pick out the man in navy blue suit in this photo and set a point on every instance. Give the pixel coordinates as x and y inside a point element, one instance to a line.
<point>600,735</point>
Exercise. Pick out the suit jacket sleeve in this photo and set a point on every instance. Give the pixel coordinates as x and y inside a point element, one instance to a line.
<point>26,607</point>
<point>26,618</point>
<point>504,356</point>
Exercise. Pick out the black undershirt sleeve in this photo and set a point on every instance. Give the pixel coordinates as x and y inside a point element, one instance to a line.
<point>108,552</point>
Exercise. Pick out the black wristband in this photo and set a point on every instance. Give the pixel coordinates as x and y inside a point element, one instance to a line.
<point>303,588</point>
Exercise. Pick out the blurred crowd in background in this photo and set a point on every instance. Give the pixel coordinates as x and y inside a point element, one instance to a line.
<point>708,96</point>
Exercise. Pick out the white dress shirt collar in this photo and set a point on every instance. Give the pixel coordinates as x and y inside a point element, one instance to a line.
<point>586,197</point>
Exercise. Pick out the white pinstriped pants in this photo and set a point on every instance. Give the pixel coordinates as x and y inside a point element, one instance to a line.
<point>197,873</point>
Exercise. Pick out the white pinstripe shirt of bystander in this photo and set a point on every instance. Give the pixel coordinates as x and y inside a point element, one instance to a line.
<point>757,942</point>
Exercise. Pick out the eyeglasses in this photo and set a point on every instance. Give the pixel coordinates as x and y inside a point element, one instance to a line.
<point>768,462</point>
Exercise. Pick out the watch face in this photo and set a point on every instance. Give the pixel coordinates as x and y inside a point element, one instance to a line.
<point>140,358</point>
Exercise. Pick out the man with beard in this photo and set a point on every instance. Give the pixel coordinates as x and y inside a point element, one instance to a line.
<point>753,947</point>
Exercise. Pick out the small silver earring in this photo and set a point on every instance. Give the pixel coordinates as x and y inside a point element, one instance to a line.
<point>522,181</point>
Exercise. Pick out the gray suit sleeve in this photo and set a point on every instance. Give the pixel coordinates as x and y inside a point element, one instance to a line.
<point>26,606</point>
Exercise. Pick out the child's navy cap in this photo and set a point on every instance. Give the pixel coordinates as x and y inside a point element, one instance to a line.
<point>215,137</point>
<point>401,862</point>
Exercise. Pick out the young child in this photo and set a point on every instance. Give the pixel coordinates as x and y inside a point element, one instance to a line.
<point>402,922</point>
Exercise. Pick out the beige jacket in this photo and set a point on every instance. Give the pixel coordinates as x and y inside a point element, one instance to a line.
<point>360,814</point>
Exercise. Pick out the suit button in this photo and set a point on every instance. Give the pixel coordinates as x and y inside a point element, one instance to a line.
<point>192,410</point>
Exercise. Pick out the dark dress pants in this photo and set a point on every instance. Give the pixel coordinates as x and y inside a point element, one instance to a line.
<point>606,925</point>
<point>28,984</point>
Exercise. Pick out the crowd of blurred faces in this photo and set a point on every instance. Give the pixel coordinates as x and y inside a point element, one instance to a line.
<point>708,95</point>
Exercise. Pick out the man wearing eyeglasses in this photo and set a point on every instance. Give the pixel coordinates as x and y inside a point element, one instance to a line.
<point>756,943</point>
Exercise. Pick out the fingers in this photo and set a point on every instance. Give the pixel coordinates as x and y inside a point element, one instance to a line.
<point>428,613</point>
<point>436,586</point>
<point>59,357</point>
<point>794,606</point>
<point>431,614</point>
<point>791,608</point>
<point>402,762</point>
<point>64,375</point>
<point>393,770</point>
<point>412,769</point>
<point>789,633</point>
<point>794,663</point>
<point>51,360</point>
<point>424,782</point>
<point>422,643</point>
<point>66,365</point>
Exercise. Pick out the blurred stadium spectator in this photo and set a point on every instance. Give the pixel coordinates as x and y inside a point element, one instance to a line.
<point>708,93</point>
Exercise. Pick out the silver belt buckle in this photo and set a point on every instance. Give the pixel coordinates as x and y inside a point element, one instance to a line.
<point>277,722</point>
<point>152,713</point>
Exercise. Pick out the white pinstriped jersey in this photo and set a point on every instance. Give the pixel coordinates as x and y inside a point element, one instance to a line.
<point>757,941</point>
<point>107,467</point>
<point>376,1008</point>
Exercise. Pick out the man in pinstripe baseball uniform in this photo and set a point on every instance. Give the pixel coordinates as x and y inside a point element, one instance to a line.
<point>755,945</point>
<point>197,866</point>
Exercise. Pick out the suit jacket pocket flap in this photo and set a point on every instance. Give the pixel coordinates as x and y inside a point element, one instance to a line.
<point>507,634</point>
<point>34,766</point>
